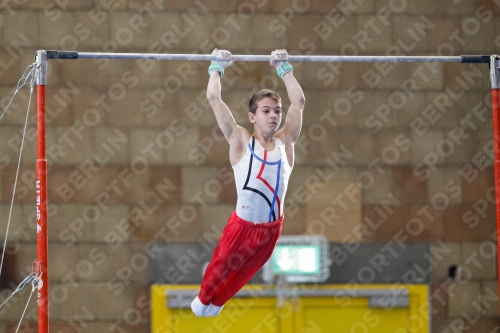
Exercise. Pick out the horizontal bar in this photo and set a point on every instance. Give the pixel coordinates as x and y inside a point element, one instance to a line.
<point>249,57</point>
<point>388,302</point>
<point>380,292</point>
<point>62,55</point>
<point>378,297</point>
<point>291,58</point>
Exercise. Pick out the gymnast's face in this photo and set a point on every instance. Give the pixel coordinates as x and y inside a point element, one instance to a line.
<point>267,117</point>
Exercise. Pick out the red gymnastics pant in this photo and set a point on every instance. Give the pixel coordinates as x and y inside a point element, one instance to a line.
<point>244,247</point>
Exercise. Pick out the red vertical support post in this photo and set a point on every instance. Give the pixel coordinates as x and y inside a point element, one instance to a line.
<point>41,195</point>
<point>495,110</point>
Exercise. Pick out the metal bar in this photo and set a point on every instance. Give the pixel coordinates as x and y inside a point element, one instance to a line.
<point>378,297</point>
<point>292,58</point>
<point>190,293</point>
<point>41,195</point>
<point>65,55</point>
<point>388,302</point>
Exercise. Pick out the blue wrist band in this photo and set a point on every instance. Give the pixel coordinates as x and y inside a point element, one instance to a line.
<point>284,68</point>
<point>216,67</point>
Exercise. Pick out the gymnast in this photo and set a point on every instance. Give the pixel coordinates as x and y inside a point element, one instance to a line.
<point>262,163</point>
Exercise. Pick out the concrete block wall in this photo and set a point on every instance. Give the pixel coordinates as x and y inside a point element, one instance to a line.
<point>389,153</point>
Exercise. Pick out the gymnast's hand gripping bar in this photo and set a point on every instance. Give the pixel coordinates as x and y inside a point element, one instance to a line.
<point>292,58</point>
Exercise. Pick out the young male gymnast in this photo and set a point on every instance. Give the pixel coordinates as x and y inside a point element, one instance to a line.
<point>262,163</point>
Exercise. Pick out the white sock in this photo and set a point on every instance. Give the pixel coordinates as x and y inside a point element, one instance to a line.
<point>213,310</point>
<point>199,309</point>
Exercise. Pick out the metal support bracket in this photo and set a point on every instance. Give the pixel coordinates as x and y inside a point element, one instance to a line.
<point>41,68</point>
<point>495,71</point>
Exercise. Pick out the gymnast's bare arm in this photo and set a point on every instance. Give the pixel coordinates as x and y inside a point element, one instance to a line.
<point>290,132</point>
<point>236,136</point>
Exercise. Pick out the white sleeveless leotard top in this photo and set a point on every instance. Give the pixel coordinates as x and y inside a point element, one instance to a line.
<point>261,181</point>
